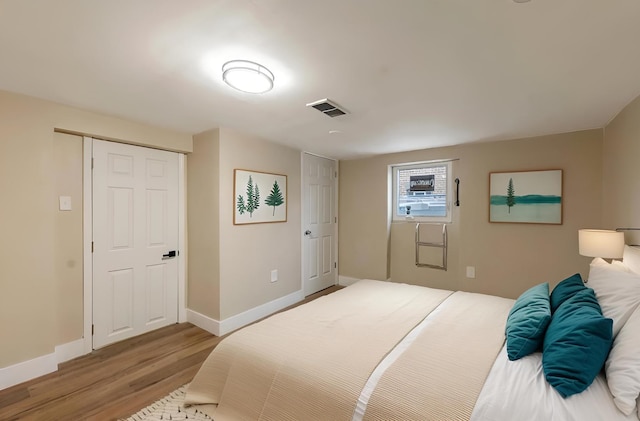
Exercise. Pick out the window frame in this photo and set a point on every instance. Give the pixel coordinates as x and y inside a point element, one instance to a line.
<point>395,168</point>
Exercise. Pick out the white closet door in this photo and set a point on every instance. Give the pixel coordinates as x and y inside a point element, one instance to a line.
<point>135,237</point>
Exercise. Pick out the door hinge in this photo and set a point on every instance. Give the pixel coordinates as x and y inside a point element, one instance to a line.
<point>92,329</point>
<point>92,247</point>
<point>335,219</point>
<point>335,265</point>
<point>92,163</point>
<point>335,174</point>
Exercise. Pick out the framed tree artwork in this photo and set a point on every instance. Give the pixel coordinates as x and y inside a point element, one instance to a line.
<point>259,197</point>
<point>533,197</point>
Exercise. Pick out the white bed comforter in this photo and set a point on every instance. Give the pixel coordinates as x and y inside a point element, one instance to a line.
<point>433,372</point>
<point>312,362</point>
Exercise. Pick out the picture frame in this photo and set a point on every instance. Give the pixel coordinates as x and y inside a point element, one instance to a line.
<point>259,197</point>
<point>528,197</point>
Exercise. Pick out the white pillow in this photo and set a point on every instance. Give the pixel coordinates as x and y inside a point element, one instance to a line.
<point>617,264</point>
<point>631,258</point>
<point>618,291</point>
<point>623,366</point>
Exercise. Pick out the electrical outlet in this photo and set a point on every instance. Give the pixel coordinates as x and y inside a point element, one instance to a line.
<point>471,272</point>
<point>274,275</point>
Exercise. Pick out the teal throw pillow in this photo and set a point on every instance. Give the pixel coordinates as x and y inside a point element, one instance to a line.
<point>528,321</point>
<point>576,344</point>
<point>565,290</point>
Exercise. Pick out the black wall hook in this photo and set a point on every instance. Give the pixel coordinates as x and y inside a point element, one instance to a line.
<point>457,180</point>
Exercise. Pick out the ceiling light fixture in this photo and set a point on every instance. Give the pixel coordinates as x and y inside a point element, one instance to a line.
<point>247,76</point>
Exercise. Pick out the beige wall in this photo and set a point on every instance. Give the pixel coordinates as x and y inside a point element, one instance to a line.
<point>203,220</point>
<point>621,174</point>
<point>68,288</point>
<point>508,257</point>
<point>364,223</point>
<point>248,253</point>
<point>230,265</point>
<point>34,310</point>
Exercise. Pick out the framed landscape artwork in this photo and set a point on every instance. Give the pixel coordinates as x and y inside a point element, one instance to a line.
<point>533,197</point>
<point>259,197</point>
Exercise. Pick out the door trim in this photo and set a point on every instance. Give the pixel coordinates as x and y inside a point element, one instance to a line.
<point>87,212</point>
<point>303,265</point>
<point>87,234</point>
<point>182,238</point>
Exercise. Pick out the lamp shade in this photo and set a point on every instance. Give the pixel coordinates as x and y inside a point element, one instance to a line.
<point>600,243</point>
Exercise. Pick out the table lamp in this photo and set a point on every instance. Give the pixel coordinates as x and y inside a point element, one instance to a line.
<point>606,244</point>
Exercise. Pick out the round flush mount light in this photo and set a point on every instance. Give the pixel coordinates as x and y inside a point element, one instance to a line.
<point>247,76</point>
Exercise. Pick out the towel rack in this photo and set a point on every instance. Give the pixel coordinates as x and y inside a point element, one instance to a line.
<point>442,245</point>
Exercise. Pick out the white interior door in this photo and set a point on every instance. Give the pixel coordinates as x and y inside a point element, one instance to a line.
<point>319,223</point>
<point>135,239</point>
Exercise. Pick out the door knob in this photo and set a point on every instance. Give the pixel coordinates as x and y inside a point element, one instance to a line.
<point>307,232</point>
<point>169,255</point>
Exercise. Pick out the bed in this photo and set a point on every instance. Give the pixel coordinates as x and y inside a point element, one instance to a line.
<point>387,351</point>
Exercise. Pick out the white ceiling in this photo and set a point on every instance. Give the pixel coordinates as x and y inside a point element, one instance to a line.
<point>413,74</point>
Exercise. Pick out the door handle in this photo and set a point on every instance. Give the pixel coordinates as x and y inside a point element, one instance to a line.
<point>169,255</point>
<point>307,232</point>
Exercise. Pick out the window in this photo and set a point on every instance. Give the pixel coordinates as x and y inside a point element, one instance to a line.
<point>422,191</point>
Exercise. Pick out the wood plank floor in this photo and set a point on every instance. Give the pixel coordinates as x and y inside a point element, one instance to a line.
<point>118,380</point>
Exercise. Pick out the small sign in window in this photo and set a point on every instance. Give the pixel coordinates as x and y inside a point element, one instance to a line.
<point>422,182</point>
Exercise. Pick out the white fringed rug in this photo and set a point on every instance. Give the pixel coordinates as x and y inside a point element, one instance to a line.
<point>170,408</point>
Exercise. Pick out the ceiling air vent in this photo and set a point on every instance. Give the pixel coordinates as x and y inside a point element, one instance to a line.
<point>327,107</point>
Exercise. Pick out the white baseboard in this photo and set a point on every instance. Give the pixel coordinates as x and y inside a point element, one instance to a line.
<point>345,281</point>
<point>70,350</point>
<point>203,322</point>
<point>257,313</point>
<point>27,370</point>
<point>39,366</point>
<point>232,323</point>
